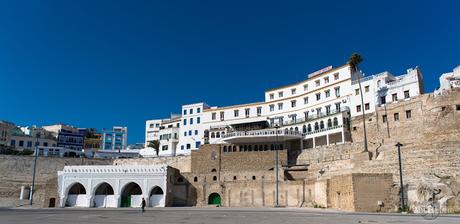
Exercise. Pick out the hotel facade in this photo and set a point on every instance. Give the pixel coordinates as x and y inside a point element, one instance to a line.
<point>307,114</point>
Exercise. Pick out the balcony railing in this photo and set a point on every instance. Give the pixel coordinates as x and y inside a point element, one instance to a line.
<point>322,130</point>
<point>263,132</point>
<point>311,117</point>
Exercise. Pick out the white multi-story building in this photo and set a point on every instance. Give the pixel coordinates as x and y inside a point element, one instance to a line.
<point>449,81</point>
<point>169,136</point>
<point>191,128</point>
<point>152,128</point>
<point>306,114</point>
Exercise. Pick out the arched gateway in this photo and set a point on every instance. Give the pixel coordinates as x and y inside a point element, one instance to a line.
<point>214,199</point>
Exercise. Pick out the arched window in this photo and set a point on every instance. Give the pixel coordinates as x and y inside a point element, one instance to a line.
<point>214,178</point>
<point>309,128</point>
<point>304,129</point>
<point>336,122</point>
<point>217,134</point>
<point>329,123</point>
<point>225,148</point>
<point>291,129</point>
<point>316,126</point>
<point>213,135</point>
<point>180,180</point>
<point>256,148</point>
<point>234,148</point>
<point>321,124</point>
<point>234,177</point>
<point>195,179</point>
<point>286,131</point>
<point>253,177</point>
<point>296,129</point>
<point>250,148</point>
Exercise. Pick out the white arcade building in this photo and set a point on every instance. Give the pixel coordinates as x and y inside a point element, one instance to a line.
<point>113,186</point>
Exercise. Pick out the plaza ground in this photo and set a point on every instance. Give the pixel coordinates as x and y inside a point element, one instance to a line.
<point>206,215</point>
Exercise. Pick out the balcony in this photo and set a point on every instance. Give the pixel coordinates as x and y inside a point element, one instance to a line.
<point>312,117</point>
<point>264,135</point>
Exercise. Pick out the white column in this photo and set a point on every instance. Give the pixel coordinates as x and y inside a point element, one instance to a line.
<point>314,142</point>
<point>343,136</point>
<point>117,200</point>
<point>327,139</point>
<point>62,200</point>
<point>89,200</point>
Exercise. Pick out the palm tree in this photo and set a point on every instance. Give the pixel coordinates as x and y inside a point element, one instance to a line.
<point>155,144</point>
<point>354,61</point>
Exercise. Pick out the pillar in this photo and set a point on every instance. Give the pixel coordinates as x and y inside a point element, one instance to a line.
<point>343,136</point>
<point>314,142</point>
<point>117,200</point>
<point>327,139</point>
<point>89,201</point>
<point>62,200</point>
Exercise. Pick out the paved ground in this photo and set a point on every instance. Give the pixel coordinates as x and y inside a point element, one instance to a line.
<point>205,215</point>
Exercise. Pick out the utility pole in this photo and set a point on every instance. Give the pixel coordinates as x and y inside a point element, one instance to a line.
<point>276,166</point>
<point>32,189</point>
<point>400,176</point>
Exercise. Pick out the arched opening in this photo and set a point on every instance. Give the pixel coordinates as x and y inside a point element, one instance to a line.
<point>316,126</point>
<point>214,199</point>
<point>304,129</point>
<point>156,197</point>
<point>131,196</point>
<point>225,148</point>
<point>329,123</point>
<point>321,124</point>
<point>309,128</point>
<point>214,178</point>
<point>195,179</point>
<point>76,197</point>
<point>104,196</point>
<point>213,170</point>
<point>336,122</point>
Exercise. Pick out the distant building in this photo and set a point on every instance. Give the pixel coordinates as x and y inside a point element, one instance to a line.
<point>152,128</point>
<point>5,134</point>
<point>93,139</point>
<point>27,138</point>
<point>115,139</point>
<point>449,81</point>
<point>67,136</point>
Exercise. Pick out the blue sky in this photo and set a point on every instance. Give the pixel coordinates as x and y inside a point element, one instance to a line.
<point>104,63</point>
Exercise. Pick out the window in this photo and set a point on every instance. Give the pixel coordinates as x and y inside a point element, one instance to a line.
<point>198,110</point>
<point>214,178</point>
<point>336,76</point>
<point>327,93</point>
<point>337,106</point>
<point>366,89</point>
<point>280,106</point>
<point>246,112</point>
<point>337,91</point>
<point>190,132</point>
<point>195,179</point>
<point>182,147</point>
<point>151,126</point>
<point>328,109</point>
<point>191,110</point>
<point>366,106</point>
<point>236,113</point>
<point>259,111</point>
<point>318,111</point>
<point>188,146</point>
<point>383,99</point>
<point>317,83</point>
<point>406,94</point>
<point>13,142</point>
<point>293,91</point>
<point>305,87</point>
<point>185,133</point>
<point>305,100</point>
<point>185,121</point>
<point>45,144</point>
<point>164,148</point>
<point>293,103</point>
<point>198,120</point>
<point>272,96</point>
<point>326,79</point>
<point>29,144</point>
<point>272,107</point>
<point>196,132</point>
<point>408,114</point>
<point>318,96</point>
<point>358,108</point>
<point>384,118</point>
<point>396,116</point>
<point>21,143</point>
<point>457,107</point>
<point>213,116</point>
<point>191,120</point>
<point>356,91</point>
<point>394,96</point>
<point>280,94</point>
<point>222,115</point>
<point>197,144</point>
<point>185,112</point>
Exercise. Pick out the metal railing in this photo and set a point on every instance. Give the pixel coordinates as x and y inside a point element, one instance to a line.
<point>263,132</point>
<point>312,117</point>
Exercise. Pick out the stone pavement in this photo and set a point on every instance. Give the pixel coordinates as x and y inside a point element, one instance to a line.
<point>206,215</point>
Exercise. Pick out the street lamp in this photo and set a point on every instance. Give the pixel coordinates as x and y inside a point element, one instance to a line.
<point>276,164</point>
<point>32,189</point>
<point>400,175</point>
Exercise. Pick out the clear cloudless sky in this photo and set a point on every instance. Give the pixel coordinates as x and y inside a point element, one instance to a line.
<point>104,63</point>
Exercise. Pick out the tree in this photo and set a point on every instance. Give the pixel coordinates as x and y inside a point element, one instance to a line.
<point>155,144</point>
<point>354,61</point>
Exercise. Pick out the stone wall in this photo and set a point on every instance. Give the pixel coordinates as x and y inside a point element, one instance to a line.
<point>17,171</point>
<point>182,163</point>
